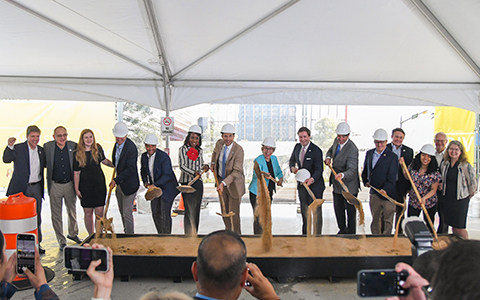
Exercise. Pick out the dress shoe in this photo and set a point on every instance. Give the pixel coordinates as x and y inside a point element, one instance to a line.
<point>62,246</point>
<point>75,239</point>
<point>40,249</point>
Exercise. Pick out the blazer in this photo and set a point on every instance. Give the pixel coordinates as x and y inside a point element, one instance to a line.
<point>403,184</point>
<point>21,167</point>
<point>384,174</point>
<point>263,167</point>
<point>49,148</point>
<point>234,176</point>
<point>345,162</point>
<point>313,162</point>
<point>127,172</point>
<point>163,176</point>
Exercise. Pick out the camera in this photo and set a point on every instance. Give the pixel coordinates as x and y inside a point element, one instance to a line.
<point>25,253</point>
<point>419,235</point>
<point>381,283</point>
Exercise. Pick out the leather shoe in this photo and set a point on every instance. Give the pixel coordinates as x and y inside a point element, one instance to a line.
<point>40,249</point>
<point>62,246</point>
<point>75,239</point>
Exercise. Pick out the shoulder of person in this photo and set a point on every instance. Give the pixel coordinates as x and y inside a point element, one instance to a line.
<point>406,148</point>
<point>72,144</point>
<point>313,146</point>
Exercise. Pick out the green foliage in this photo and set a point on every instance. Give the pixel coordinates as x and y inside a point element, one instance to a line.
<point>324,133</point>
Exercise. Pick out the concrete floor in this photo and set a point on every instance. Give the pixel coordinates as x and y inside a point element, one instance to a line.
<point>285,221</point>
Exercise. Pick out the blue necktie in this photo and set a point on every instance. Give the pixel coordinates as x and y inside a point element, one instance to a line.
<point>338,150</point>
<point>224,161</point>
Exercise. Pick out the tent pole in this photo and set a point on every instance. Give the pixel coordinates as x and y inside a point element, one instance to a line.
<point>167,92</point>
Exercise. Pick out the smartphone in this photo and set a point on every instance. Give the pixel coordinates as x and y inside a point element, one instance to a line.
<point>78,258</point>
<point>26,253</point>
<point>381,283</point>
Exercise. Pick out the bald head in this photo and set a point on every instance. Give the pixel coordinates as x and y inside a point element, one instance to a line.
<point>221,260</point>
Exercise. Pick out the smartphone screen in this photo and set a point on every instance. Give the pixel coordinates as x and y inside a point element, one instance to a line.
<point>381,283</point>
<point>25,253</point>
<point>79,258</point>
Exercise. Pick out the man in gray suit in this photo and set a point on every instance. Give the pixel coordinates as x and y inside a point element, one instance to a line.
<point>59,154</point>
<point>344,155</point>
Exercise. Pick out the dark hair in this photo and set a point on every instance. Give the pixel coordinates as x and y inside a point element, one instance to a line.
<point>221,260</point>
<point>33,128</point>
<point>417,163</point>
<point>304,129</point>
<point>398,129</point>
<point>2,244</point>
<point>458,272</point>
<point>187,140</point>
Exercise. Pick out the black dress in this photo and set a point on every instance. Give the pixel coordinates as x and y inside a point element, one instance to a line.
<point>92,180</point>
<point>455,210</point>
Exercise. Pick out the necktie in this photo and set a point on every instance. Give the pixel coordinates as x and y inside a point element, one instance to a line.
<point>224,161</point>
<point>338,150</point>
<point>302,156</point>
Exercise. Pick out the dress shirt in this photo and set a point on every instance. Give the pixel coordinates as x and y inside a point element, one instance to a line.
<point>118,152</point>
<point>397,151</point>
<point>151,161</point>
<point>376,157</point>
<point>61,165</point>
<point>300,154</point>
<point>439,156</point>
<point>220,158</point>
<point>34,165</point>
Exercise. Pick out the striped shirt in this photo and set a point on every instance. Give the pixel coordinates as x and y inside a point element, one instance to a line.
<point>188,166</point>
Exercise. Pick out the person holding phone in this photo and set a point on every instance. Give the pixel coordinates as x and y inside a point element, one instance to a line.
<point>37,279</point>
<point>89,178</point>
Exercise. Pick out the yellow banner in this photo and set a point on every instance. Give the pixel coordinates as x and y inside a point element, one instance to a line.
<point>459,125</point>
<point>17,115</point>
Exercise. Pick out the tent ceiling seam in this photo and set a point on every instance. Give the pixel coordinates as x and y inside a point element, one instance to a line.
<point>236,37</point>
<point>428,14</point>
<point>81,36</point>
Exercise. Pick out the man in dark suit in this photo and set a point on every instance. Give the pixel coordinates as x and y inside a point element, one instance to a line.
<point>380,171</point>
<point>221,269</point>
<point>59,155</point>
<point>157,170</point>
<point>402,184</point>
<point>28,164</point>
<point>307,155</point>
<point>124,158</point>
<point>344,154</point>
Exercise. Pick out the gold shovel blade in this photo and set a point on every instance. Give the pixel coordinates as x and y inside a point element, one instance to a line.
<point>186,189</point>
<point>153,193</point>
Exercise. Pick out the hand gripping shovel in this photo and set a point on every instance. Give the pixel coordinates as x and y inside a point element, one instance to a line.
<point>301,176</point>
<point>349,197</point>
<point>265,174</point>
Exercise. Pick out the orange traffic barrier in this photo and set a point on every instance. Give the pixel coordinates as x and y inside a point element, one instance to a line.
<point>18,214</point>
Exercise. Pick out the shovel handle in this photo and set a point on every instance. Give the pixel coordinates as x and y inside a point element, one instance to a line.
<point>309,191</point>
<point>195,178</point>
<point>220,197</point>
<point>339,180</point>
<point>109,195</point>
<point>265,174</point>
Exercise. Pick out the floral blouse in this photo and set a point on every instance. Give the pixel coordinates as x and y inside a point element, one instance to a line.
<point>424,184</point>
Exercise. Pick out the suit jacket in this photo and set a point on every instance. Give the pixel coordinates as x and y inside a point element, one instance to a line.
<point>21,167</point>
<point>49,148</point>
<point>384,174</point>
<point>262,163</point>
<point>313,162</point>
<point>163,176</point>
<point>346,162</point>
<point>403,185</point>
<point>234,176</point>
<point>127,172</point>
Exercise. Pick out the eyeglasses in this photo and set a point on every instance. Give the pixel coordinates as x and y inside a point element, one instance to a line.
<point>269,149</point>
<point>379,142</point>
<point>454,150</point>
<point>62,135</point>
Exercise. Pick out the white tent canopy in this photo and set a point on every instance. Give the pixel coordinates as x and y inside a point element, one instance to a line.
<point>368,52</point>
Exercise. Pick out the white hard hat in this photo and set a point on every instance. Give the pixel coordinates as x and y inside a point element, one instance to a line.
<point>428,149</point>
<point>228,128</point>
<point>343,128</point>
<point>302,175</point>
<point>380,135</point>
<point>269,142</point>
<point>120,130</point>
<point>195,129</point>
<point>151,139</point>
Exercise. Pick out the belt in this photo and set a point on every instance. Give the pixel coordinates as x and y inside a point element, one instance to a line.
<point>61,182</point>
<point>33,183</point>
